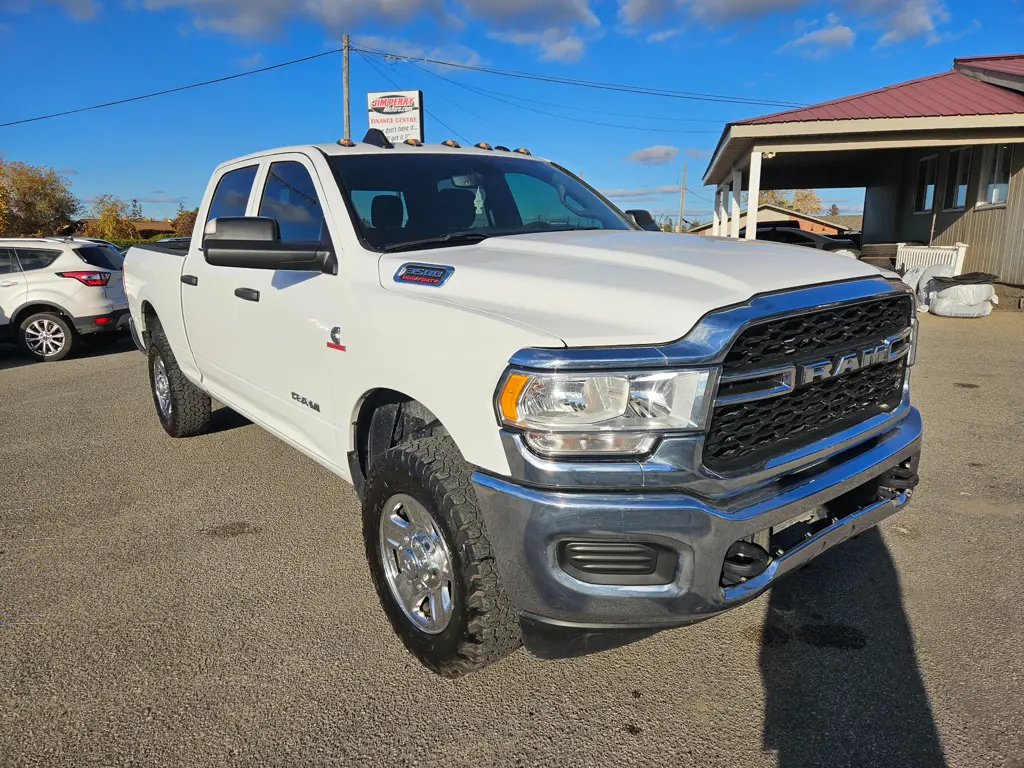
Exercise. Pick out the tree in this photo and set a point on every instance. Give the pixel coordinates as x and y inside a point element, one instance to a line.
<point>806,201</point>
<point>35,200</point>
<point>833,210</point>
<point>185,221</point>
<point>112,219</point>
<point>135,211</point>
<point>774,197</point>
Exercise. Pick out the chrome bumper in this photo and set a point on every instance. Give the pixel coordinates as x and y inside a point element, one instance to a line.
<point>526,526</point>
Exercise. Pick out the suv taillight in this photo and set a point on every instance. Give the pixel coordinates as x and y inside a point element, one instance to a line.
<point>88,278</point>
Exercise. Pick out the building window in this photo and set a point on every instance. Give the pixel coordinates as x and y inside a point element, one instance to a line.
<point>995,175</point>
<point>958,175</point>
<point>924,198</point>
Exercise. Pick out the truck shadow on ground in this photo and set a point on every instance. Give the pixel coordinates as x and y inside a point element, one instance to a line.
<point>842,684</point>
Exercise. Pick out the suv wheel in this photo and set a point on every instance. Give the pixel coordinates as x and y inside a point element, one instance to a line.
<point>184,409</point>
<point>431,561</point>
<point>46,337</point>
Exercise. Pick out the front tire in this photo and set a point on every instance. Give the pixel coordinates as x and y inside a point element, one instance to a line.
<point>431,561</point>
<point>47,337</point>
<point>184,409</point>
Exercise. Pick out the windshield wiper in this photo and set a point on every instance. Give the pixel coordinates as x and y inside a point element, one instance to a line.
<point>452,238</point>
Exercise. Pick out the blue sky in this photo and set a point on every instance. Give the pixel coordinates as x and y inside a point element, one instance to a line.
<point>64,54</point>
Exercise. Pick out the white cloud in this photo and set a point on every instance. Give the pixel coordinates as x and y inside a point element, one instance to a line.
<point>695,153</point>
<point>82,10</point>
<point>161,199</point>
<point>657,155</point>
<point>533,14</point>
<point>553,44</point>
<point>818,43</point>
<point>643,193</point>
<point>915,18</point>
<point>897,20</point>
<point>661,37</point>
<point>248,62</point>
<point>68,171</point>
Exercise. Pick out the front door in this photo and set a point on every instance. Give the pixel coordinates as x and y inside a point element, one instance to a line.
<point>287,324</point>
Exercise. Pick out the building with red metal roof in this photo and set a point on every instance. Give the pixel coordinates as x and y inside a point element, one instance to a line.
<point>941,159</point>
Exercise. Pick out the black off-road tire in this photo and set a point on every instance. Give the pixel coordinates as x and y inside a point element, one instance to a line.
<point>484,626</point>
<point>71,336</point>
<point>190,407</point>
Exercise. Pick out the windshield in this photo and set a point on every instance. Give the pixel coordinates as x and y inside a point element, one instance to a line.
<point>408,197</point>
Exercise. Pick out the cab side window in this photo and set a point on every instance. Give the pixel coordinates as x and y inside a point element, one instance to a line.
<point>290,197</point>
<point>232,195</point>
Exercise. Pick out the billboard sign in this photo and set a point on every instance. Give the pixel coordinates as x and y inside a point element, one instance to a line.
<point>398,113</point>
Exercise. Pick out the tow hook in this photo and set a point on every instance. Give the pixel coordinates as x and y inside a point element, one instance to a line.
<point>898,480</point>
<point>743,561</point>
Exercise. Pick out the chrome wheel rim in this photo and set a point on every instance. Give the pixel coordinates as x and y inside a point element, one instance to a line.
<point>417,564</point>
<point>45,337</point>
<point>162,387</point>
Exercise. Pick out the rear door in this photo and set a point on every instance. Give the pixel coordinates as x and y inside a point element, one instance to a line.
<point>12,285</point>
<point>41,280</point>
<point>208,302</point>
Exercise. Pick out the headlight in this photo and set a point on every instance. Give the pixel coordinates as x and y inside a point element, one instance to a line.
<point>607,413</point>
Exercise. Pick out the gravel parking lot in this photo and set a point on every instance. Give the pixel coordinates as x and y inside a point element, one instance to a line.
<point>206,602</point>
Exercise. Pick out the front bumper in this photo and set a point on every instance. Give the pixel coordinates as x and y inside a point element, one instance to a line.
<point>527,525</point>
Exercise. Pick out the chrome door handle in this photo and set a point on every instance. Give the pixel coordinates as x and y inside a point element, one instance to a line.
<point>8,283</point>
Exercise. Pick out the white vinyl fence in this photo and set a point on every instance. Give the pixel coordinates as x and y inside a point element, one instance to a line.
<point>910,256</point>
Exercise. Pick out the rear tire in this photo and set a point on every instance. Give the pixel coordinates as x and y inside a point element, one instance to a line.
<point>184,410</point>
<point>478,625</point>
<point>47,337</point>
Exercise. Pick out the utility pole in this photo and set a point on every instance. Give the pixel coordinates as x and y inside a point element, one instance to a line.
<point>344,70</point>
<point>682,199</point>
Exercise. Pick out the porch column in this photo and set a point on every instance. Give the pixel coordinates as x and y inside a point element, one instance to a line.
<point>753,193</point>
<point>714,214</point>
<point>723,210</point>
<point>737,187</point>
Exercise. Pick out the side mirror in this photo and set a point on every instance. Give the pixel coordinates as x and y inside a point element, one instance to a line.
<point>254,242</point>
<point>643,219</point>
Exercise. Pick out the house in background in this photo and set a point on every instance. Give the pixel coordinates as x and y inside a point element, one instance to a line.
<point>149,227</point>
<point>768,213</point>
<point>941,159</point>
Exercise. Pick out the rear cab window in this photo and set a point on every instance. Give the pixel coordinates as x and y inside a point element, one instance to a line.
<point>232,195</point>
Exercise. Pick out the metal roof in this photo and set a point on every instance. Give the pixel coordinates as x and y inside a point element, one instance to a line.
<point>947,94</point>
<point>1010,64</point>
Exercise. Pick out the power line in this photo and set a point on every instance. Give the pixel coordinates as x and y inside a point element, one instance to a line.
<point>398,87</point>
<point>691,95</point>
<point>171,90</point>
<point>490,95</point>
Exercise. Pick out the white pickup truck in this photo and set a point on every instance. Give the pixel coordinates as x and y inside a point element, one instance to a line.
<point>558,424</point>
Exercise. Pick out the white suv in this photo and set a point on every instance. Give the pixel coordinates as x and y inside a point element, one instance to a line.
<point>53,291</point>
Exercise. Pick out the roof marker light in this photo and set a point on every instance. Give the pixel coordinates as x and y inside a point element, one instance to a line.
<point>414,142</point>
<point>523,151</point>
<point>483,145</point>
<point>346,142</point>
<point>452,143</point>
<point>502,149</point>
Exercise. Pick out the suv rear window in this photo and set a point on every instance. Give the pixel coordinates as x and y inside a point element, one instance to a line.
<point>100,256</point>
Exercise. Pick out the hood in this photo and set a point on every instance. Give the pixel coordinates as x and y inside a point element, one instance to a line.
<point>615,288</point>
